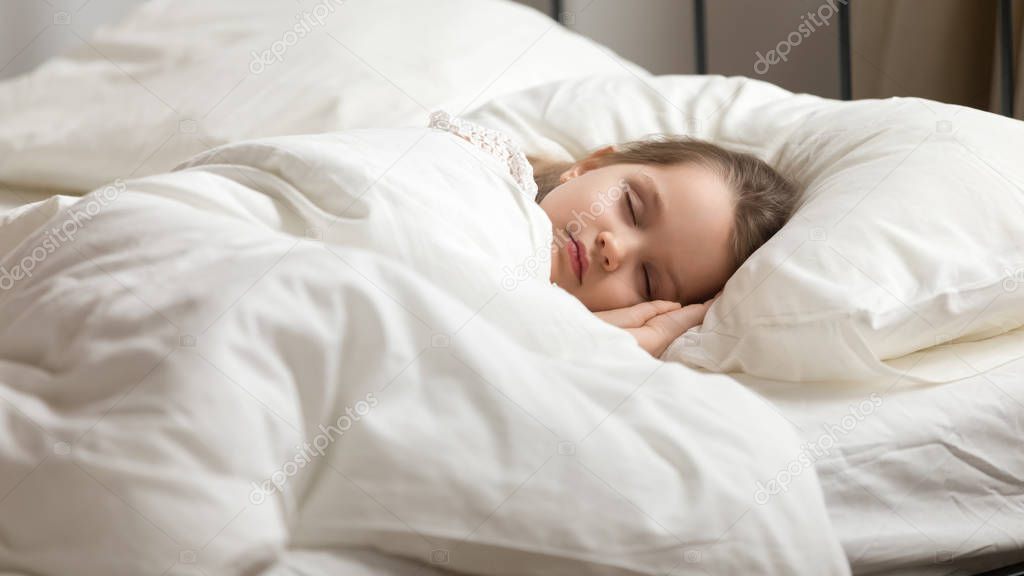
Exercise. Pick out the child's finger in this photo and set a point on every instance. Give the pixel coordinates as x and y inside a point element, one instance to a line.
<point>644,311</point>
<point>637,315</point>
<point>655,307</point>
<point>675,322</point>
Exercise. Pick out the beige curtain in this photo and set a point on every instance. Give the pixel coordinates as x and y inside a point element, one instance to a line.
<point>945,50</point>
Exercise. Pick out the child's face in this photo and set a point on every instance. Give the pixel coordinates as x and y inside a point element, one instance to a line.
<point>677,249</point>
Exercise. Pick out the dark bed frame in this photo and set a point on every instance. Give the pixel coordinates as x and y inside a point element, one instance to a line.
<point>700,44</point>
<point>1006,92</point>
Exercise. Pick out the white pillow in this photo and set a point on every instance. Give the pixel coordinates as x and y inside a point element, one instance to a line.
<point>177,77</point>
<point>909,233</point>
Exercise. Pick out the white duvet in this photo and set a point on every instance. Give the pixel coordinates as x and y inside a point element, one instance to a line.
<point>304,344</point>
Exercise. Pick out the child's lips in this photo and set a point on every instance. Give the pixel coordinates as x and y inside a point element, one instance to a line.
<point>577,257</point>
<point>584,261</point>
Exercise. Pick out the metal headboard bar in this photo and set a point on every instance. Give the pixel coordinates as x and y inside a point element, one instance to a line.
<point>845,72</point>
<point>700,36</point>
<point>1006,56</point>
<point>556,11</point>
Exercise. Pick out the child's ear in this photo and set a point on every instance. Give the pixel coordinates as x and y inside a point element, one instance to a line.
<point>585,165</point>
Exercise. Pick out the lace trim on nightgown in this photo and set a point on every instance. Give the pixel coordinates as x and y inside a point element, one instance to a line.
<point>495,143</point>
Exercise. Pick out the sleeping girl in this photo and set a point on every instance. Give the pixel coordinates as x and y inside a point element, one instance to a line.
<point>646,233</point>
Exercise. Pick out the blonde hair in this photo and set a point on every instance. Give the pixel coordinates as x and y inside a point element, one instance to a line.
<point>765,200</point>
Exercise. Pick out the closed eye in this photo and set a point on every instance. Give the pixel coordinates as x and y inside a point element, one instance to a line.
<point>631,206</point>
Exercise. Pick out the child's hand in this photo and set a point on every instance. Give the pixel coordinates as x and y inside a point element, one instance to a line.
<point>657,323</point>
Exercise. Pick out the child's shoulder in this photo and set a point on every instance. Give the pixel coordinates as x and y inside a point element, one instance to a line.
<point>493,142</point>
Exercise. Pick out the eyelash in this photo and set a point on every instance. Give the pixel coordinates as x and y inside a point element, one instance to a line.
<point>629,203</point>
<point>647,276</point>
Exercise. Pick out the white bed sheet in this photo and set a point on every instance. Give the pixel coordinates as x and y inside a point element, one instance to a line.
<point>922,480</point>
<point>350,562</point>
<point>11,198</point>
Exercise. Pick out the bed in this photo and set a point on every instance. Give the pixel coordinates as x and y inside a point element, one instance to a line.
<point>922,473</point>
